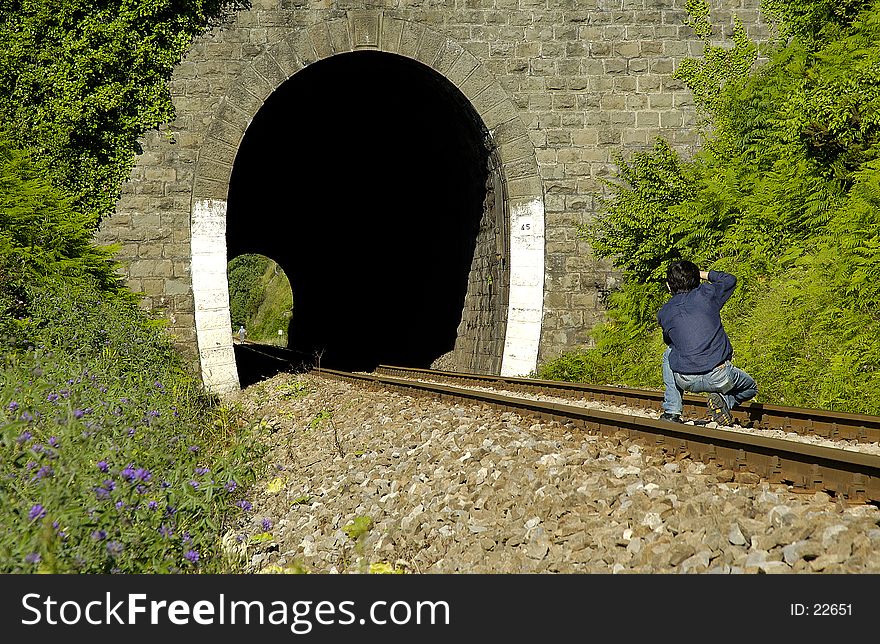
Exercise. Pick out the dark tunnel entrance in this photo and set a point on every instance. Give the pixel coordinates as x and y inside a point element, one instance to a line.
<point>364,176</point>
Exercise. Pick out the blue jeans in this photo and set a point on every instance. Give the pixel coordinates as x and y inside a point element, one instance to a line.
<point>734,384</point>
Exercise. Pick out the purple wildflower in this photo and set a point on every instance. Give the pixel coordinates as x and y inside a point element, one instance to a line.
<point>165,531</point>
<point>53,441</point>
<point>44,472</point>
<point>142,474</point>
<point>131,432</point>
<point>267,524</point>
<point>33,557</point>
<point>24,437</point>
<point>230,487</point>
<point>110,484</point>
<point>141,489</point>
<point>52,397</point>
<point>152,505</point>
<point>192,556</point>
<point>120,505</point>
<point>245,505</point>
<point>195,484</point>
<point>25,416</point>
<point>78,413</point>
<point>102,465</point>
<point>194,448</point>
<point>202,470</point>
<point>12,406</point>
<point>101,494</point>
<point>114,548</point>
<point>127,473</point>
<point>99,535</point>
<point>37,512</point>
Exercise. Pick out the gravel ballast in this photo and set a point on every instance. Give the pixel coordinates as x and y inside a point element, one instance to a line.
<point>360,480</point>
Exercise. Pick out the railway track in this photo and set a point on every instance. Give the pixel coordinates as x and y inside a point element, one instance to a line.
<point>844,473</point>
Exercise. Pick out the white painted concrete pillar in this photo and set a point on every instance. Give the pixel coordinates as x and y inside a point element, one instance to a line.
<point>525,308</point>
<point>211,297</point>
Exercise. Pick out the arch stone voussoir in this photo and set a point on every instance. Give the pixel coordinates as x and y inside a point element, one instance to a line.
<point>219,151</point>
<point>254,83</point>
<point>476,83</point>
<point>365,28</point>
<point>411,40</point>
<point>286,58</point>
<point>392,29</point>
<point>516,150</point>
<point>319,35</point>
<point>491,96</point>
<point>243,100</point>
<point>226,132</point>
<point>429,50</point>
<point>340,37</point>
<point>268,69</point>
<point>448,55</point>
<point>462,68</point>
<point>301,45</point>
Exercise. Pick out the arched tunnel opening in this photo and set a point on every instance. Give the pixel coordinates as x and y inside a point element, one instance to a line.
<point>364,176</point>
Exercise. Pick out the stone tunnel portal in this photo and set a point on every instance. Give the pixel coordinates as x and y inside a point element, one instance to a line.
<point>368,177</point>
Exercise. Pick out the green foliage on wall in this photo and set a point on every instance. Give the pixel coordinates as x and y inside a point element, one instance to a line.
<point>785,194</point>
<point>80,82</point>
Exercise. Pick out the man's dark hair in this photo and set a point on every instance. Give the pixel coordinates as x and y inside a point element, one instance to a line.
<point>682,277</point>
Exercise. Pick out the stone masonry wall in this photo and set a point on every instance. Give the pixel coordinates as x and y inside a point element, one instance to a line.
<point>588,79</point>
<point>479,343</point>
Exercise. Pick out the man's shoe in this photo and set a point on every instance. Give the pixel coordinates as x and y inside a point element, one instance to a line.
<point>672,418</point>
<point>718,409</point>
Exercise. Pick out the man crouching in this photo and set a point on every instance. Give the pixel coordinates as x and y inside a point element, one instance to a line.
<point>698,353</point>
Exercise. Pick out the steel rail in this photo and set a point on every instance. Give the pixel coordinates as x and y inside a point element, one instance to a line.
<point>818,422</point>
<point>850,475</point>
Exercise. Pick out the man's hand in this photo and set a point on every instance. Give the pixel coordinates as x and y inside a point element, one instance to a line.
<point>704,275</point>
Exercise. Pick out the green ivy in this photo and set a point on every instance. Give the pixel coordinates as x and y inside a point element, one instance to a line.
<point>80,82</point>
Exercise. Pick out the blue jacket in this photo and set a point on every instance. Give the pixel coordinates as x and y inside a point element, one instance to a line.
<point>691,324</point>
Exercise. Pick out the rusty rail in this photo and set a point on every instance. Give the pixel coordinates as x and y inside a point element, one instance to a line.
<point>817,422</point>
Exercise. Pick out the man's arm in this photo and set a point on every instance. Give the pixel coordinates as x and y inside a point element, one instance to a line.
<point>724,284</point>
